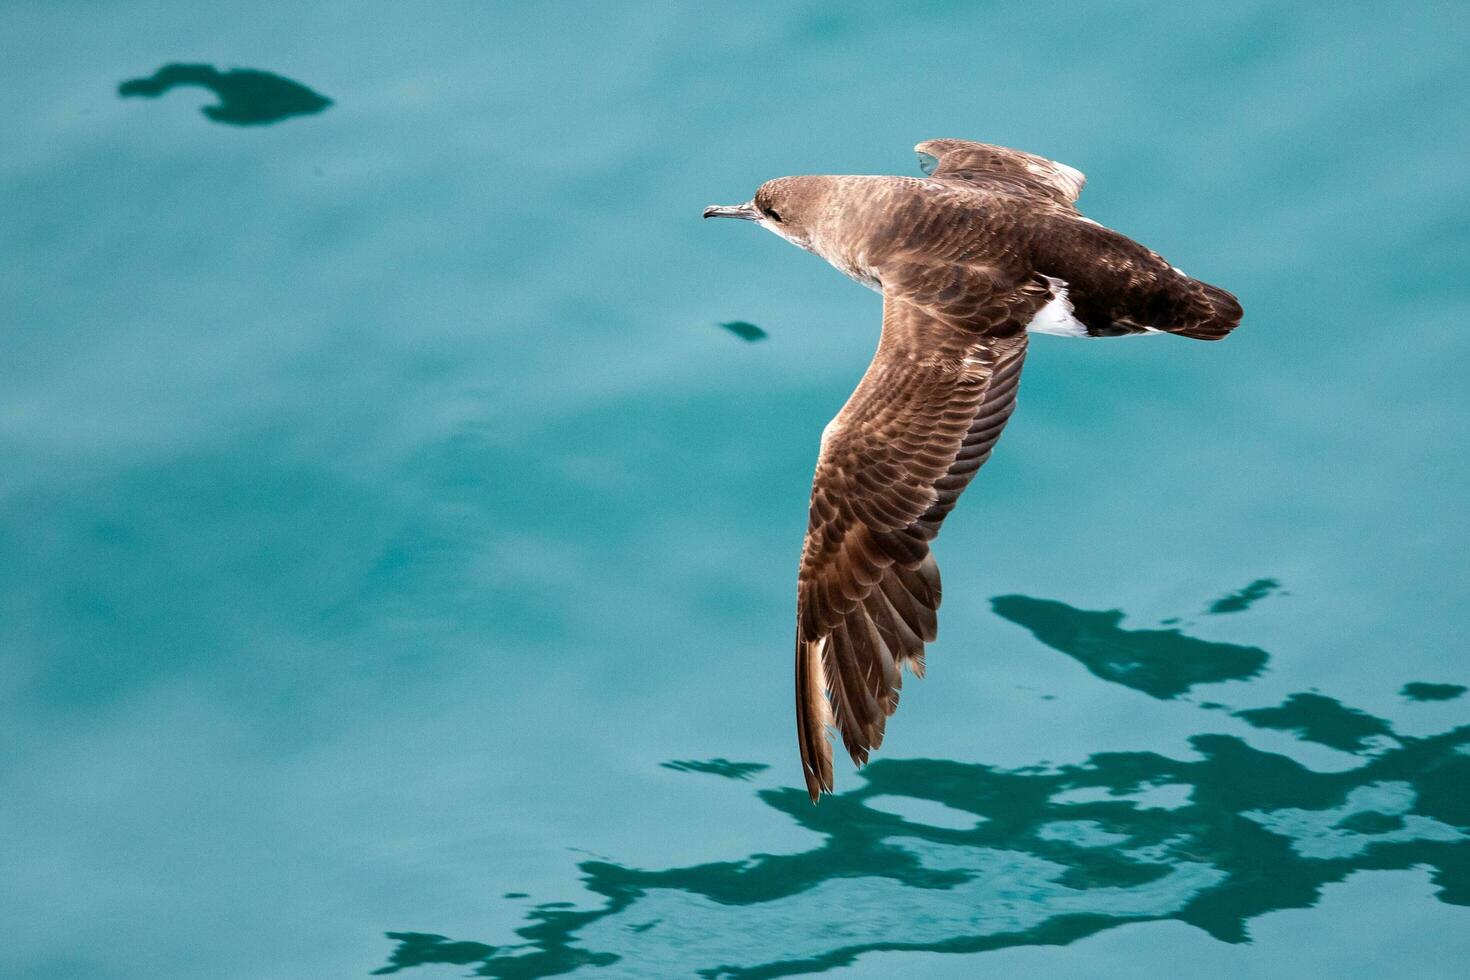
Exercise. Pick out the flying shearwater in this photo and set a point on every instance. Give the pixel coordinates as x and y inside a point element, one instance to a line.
<point>985,249</point>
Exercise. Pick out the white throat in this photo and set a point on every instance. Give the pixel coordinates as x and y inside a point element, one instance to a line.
<point>855,269</point>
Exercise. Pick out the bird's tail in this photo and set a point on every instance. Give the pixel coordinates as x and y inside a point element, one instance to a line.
<point>1213,314</point>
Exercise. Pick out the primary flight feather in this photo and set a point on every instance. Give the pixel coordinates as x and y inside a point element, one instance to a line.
<point>988,247</point>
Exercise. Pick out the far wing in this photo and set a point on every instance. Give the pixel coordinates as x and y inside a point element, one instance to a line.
<point>1002,168</point>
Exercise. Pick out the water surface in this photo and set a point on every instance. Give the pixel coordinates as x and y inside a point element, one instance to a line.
<point>396,542</point>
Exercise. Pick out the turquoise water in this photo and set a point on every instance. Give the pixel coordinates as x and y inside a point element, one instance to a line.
<point>398,533</point>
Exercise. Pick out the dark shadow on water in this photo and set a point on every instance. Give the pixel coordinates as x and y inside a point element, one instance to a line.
<point>745,331</point>
<point>1315,718</point>
<point>1426,691</point>
<point>1243,599</point>
<point>717,767</point>
<point>1161,663</point>
<point>1040,855</point>
<point>247,97</point>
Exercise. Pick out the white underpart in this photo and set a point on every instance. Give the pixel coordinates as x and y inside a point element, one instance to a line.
<point>1056,316</point>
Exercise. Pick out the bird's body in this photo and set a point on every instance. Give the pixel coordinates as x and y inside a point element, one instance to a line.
<point>969,260</point>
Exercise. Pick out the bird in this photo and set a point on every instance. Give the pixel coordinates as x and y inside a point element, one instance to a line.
<point>984,249</point>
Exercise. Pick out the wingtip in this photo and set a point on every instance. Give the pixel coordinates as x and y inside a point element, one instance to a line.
<point>813,714</point>
<point>817,785</point>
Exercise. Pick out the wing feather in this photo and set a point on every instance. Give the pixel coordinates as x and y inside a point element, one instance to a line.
<point>893,463</point>
<point>1005,169</point>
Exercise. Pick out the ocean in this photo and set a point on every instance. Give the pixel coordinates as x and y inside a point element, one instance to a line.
<point>403,489</point>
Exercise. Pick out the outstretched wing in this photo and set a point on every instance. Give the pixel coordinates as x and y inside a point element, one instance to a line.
<point>893,463</point>
<point>1005,169</point>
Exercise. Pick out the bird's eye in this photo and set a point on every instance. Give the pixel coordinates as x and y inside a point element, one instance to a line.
<point>775,215</point>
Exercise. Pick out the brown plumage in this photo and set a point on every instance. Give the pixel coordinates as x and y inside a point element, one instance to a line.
<point>969,259</point>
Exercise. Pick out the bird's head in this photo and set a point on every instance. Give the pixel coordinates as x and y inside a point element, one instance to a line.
<point>792,207</point>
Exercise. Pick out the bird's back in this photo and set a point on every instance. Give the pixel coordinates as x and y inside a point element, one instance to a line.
<point>1114,286</point>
